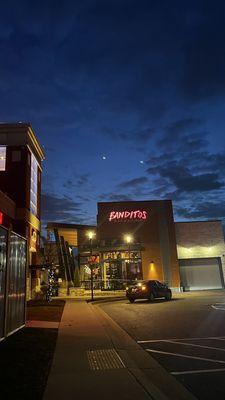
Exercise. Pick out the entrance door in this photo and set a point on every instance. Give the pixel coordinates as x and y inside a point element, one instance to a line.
<point>201,273</point>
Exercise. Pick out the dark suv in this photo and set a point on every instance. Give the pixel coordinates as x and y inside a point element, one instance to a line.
<point>148,290</point>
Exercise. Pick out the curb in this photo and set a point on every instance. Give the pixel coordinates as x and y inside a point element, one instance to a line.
<point>88,299</point>
<point>154,379</point>
<point>105,300</point>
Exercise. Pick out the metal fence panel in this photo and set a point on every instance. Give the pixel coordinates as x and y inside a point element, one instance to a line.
<point>3,253</point>
<point>16,276</point>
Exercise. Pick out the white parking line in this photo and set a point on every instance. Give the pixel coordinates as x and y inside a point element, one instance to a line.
<point>184,356</point>
<point>194,345</point>
<point>175,339</point>
<point>219,306</point>
<point>198,371</point>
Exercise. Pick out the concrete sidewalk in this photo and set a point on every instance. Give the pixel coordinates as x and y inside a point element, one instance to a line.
<point>96,359</point>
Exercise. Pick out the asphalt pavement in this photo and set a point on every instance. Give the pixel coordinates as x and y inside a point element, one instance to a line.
<point>186,336</point>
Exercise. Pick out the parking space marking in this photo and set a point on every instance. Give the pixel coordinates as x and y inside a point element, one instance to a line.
<point>198,371</point>
<point>194,345</point>
<point>184,356</point>
<point>175,339</point>
<point>219,306</point>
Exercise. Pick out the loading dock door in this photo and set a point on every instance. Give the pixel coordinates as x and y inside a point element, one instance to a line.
<point>201,273</point>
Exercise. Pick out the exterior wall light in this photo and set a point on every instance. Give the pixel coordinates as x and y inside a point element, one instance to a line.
<point>152,265</point>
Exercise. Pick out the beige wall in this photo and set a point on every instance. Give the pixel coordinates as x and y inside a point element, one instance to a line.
<point>70,235</point>
<point>200,240</point>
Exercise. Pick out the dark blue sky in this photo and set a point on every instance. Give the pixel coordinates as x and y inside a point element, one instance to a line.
<point>141,83</point>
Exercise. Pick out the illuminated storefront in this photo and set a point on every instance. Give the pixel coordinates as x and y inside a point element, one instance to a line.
<point>139,240</point>
<point>150,252</point>
<point>132,241</point>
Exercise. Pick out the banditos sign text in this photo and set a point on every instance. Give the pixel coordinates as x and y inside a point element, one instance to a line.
<point>127,215</point>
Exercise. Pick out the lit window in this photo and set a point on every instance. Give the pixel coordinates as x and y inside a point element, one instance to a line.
<point>33,185</point>
<point>2,157</point>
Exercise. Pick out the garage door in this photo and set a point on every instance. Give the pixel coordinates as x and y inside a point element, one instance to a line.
<point>201,273</point>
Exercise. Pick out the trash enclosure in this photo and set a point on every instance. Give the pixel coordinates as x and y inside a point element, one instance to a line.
<point>13,262</point>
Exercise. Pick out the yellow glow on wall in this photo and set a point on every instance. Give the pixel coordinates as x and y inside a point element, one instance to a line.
<point>152,266</point>
<point>200,251</point>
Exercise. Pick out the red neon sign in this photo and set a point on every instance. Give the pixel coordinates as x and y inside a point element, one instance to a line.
<point>1,218</point>
<point>128,215</point>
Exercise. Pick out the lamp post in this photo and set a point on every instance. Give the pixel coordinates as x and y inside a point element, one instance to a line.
<point>90,235</point>
<point>128,239</point>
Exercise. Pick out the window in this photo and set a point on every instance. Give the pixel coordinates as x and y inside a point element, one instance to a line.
<point>33,185</point>
<point>2,157</point>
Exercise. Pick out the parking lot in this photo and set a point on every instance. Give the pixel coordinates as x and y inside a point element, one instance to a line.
<point>186,336</point>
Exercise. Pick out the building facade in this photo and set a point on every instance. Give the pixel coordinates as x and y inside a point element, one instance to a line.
<point>21,156</point>
<point>152,252</point>
<point>139,240</point>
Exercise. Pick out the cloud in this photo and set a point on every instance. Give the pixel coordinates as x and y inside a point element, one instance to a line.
<point>207,210</point>
<point>77,182</point>
<point>185,163</point>
<point>114,197</point>
<point>183,134</point>
<point>62,209</point>
<point>133,183</point>
<point>185,181</point>
<point>140,136</point>
<point>184,125</point>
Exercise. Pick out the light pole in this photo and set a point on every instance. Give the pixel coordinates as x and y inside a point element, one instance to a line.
<point>128,239</point>
<point>91,235</point>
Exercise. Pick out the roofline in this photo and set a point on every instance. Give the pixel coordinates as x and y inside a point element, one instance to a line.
<point>134,201</point>
<point>26,126</point>
<point>192,222</point>
<point>52,225</point>
<point>35,142</point>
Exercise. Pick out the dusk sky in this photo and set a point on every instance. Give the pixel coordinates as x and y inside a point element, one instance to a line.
<point>127,97</point>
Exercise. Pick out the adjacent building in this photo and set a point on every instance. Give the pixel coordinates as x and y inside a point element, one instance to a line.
<point>201,254</point>
<point>21,156</point>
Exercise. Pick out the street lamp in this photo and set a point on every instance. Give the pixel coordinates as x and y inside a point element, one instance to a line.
<point>91,235</point>
<point>128,239</point>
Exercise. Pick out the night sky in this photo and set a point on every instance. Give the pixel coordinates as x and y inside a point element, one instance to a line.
<point>127,97</point>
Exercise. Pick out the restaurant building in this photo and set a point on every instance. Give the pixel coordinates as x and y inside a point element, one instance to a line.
<point>138,240</point>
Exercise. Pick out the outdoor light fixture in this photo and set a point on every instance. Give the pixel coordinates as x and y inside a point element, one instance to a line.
<point>128,239</point>
<point>91,235</point>
<point>152,265</point>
